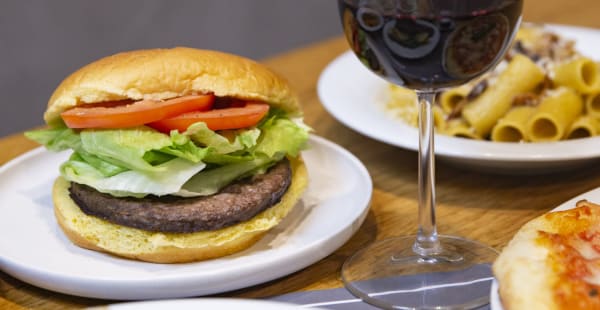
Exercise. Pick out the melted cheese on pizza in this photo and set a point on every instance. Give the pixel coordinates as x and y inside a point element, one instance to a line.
<point>573,240</point>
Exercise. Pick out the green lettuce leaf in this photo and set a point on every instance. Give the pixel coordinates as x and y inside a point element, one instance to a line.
<point>182,146</point>
<point>125,147</point>
<point>105,168</point>
<point>243,139</point>
<point>211,181</point>
<point>56,139</point>
<point>173,174</point>
<point>282,135</point>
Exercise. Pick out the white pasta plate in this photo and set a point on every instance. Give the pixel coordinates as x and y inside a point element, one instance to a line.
<point>356,97</point>
<point>593,195</point>
<point>36,251</point>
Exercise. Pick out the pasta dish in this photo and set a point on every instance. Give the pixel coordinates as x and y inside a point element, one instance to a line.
<point>543,90</point>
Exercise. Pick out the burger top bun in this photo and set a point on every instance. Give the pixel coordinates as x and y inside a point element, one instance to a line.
<point>167,73</point>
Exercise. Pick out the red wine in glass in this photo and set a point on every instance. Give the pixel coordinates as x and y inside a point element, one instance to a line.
<point>443,44</point>
<point>426,45</point>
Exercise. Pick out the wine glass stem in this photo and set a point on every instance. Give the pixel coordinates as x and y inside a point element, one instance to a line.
<point>427,242</point>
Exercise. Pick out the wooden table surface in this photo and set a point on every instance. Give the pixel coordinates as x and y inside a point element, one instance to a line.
<point>485,207</point>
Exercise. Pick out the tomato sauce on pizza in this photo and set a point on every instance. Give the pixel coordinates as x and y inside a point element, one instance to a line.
<point>574,256</point>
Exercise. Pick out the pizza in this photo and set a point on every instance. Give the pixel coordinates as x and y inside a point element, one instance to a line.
<point>553,262</point>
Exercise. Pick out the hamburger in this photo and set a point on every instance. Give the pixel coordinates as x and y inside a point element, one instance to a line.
<point>178,155</point>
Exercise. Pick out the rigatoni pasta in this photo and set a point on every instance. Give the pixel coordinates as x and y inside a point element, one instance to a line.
<point>581,73</point>
<point>458,127</point>
<point>544,90</point>
<point>592,104</point>
<point>512,127</point>
<point>450,99</point>
<point>583,127</point>
<point>520,76</point>
<point>554,115</point>
<point>439,118</point>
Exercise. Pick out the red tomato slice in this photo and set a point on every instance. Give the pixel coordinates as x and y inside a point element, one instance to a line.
<point>125,114</point>
<point>217,119</point>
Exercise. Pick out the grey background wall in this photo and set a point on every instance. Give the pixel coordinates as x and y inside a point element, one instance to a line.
<point>41,42</point>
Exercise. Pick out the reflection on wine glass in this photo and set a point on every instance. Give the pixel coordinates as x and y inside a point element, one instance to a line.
<point>426,45</point>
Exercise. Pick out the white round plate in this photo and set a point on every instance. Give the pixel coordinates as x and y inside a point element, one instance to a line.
<point>34,249</point>
<point>593,195</point>
<point>204,303</point>
<point>356,97</point>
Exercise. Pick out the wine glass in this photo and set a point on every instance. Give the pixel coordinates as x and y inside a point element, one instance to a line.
<point>426,45</point>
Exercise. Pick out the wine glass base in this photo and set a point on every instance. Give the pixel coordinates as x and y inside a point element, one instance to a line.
<point>389,275</point>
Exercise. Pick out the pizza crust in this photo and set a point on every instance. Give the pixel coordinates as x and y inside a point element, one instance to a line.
<point>523,276</point>
<point>532,269</point>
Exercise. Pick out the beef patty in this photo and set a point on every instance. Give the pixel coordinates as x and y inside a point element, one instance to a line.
<point>235,203</point>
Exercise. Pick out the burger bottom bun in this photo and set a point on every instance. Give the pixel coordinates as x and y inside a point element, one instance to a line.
<point>96,234</point>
